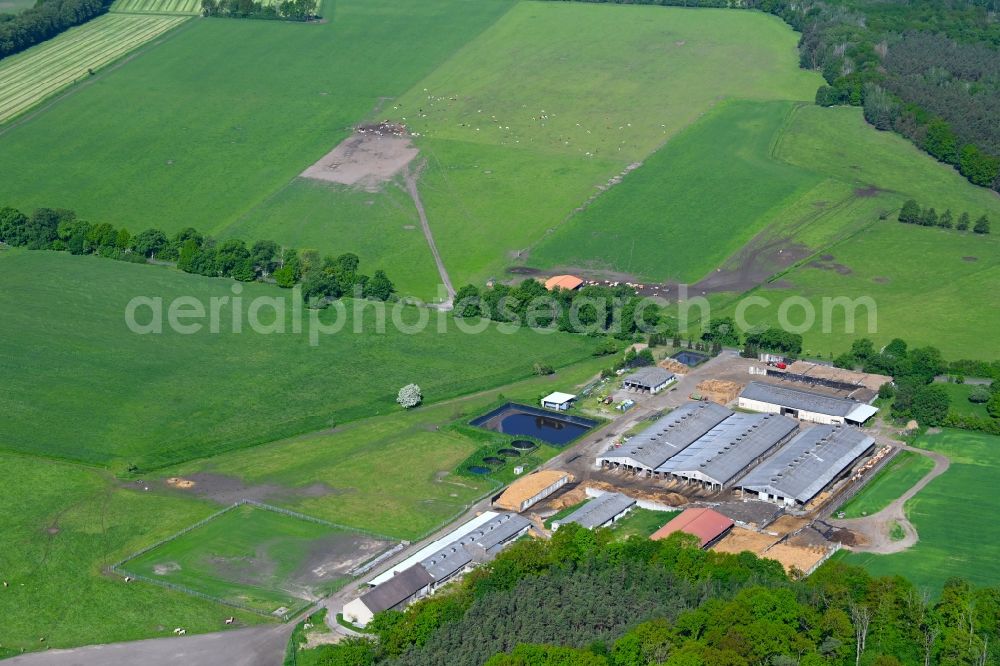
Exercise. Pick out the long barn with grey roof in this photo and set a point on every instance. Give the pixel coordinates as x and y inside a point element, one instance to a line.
<point>666,437</point>
<point>729,450</point>
<point>804,405</point>
<point>599,512</point>
<point>807,464</point>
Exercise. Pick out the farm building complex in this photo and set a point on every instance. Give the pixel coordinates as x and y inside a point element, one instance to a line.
<point>728,451</point>
<point>650,379</point>
<point>599,512</point>
<point>708,525</point>
<point>804,405</point>
<point>531,489</point>
<point>807,464</point>
<point>669,435</point>
<point>433,566</point>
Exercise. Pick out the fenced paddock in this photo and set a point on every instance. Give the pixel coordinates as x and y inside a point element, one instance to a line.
<point>257,557</point>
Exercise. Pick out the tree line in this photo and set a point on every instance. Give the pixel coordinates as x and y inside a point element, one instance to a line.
<point>45,20</point>
<point>285,10</point>
<point>912,213</point>
<point>927,69</point>
<point>585,598</point>
<point>593,309</point>
<point>323,278</point>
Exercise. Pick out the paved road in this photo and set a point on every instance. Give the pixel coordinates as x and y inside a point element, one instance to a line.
<point>876,527</point>
<point>255,646</point>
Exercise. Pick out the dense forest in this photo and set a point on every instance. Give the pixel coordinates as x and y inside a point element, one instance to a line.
<point>583,598</point>
<point>927,69</point>
<point>323,278</point>
<point>45,20</point>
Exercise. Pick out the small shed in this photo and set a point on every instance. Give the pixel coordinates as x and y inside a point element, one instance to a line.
<point>558,400</point>
<point>651,380</point>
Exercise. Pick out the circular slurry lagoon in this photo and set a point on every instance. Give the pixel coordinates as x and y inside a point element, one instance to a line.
<point>476,469</point>
<point>493,460</point>
<point>509,453</point>
<point>523,444</point>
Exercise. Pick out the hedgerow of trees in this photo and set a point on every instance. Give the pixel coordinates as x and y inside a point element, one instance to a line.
<point>45,20</point>
<point>584,598</point>
<point>285,10</point>
<point>323,278</point>
<point>912,213</point>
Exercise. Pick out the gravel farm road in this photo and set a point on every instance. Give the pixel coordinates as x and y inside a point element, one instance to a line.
<point>255,646</point>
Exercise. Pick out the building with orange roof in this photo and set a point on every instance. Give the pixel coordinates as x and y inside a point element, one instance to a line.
<point>563,282</point>
<point>708,525</point>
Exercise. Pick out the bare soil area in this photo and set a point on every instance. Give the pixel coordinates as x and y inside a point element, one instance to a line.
<point>367,159</point>
<point>228,490</point>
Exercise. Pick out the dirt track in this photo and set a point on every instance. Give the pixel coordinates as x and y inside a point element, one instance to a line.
<point>876,528</point>
<point>411,186</point>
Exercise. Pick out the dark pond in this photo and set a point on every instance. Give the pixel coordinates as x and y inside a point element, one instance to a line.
<point>514,419</point>
<point>509,453</point>
<point>493,460</point>
<point>476,469</point>
<point>690,358</point>
<point>522,444</point>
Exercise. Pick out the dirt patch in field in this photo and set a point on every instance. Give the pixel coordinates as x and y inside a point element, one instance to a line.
<point>829,265</point>
<point>879,279</point>
<point>166,569</point>
<point>367,159</point>
<point>970,258</point>
<point>867,192</point>
<point>230,489</point>
<point>751,266</point>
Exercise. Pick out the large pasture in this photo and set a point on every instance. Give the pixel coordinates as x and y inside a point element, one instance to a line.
<point>28,78</point>
<point>952,517</point>
<point>80,385</point>
<point>192,7</point>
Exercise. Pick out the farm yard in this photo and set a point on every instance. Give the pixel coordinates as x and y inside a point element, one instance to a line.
<point>28,78</point>
<point>192,7</point>
<point>955,540</point>
<point>259,558</point>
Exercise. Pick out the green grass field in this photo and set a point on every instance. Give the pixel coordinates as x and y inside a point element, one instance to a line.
<point>157,6</point>
<point>276,98</point>
<point>382,228</point>
<point>959,394</point>
<point>856,255</point>
<point>952,517</point>
<point>62,525</point>
<point>414,456</point>
<point>15,6</point>
<point>713,187</point>
<point>511,157</point>
<point>29,77</point>
<point>896,478</point>
<point>258,558</point>
<point>172,397</point>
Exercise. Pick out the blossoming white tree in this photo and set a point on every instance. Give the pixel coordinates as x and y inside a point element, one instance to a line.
<point>410,396</point>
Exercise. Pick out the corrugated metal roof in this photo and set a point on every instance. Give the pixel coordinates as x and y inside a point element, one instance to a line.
<point>706,524</point>
<point>671,433</point>
<point>498,530</point>
<point>599,510</point>
<point>454,556</point>
<point>724,451</point>
<point>397,589</point>
<point>649,377</point>
<point>809,462</point>
<point>797,399</point>
<point>447,561</point>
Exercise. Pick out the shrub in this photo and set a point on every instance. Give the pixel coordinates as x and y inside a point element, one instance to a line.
<point>410,396</point>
